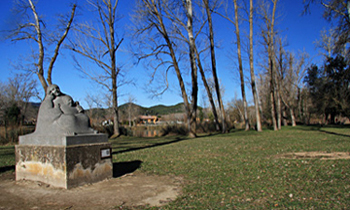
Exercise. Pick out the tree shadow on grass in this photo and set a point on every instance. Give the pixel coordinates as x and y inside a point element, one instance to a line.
<point>333,133</point>
<point>178,139</point>
<point>319,127</point>
<point>122,168</point>
<point>7,168</point>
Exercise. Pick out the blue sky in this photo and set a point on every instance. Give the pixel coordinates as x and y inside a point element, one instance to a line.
<point>299,31</point>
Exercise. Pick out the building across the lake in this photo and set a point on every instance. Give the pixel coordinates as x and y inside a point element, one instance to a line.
<point>148,119</point>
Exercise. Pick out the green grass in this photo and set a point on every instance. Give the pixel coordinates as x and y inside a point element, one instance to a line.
<point>7,158</point>
<point>241,170</point>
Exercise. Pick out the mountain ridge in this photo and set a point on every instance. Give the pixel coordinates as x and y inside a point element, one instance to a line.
<point>159,109</point>
<point>124,110</point>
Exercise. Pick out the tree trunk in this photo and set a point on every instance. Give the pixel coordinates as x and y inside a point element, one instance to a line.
<point>272,67</point>
<point>279,109</point>
<point>273,113</point>
<point>272,92</point>
<point>114,70</point>
<point>306,119</point>
<point>181,82</point>
<point>288,106</point>
<point>246,120</point>
<point>194,75</point>
<point>6,133</point>
<point>292,115</point>
<point>115,116</point>
<point>279,78</point>
<point>129,118</point>
<point>115,101</point>
<point>42,80</point>
<point>207,88</point>
<point>213,64</point>
<point>39,40</point>
<point>284,114</point>
<point>58,45</point>
<point>252,74</point>
<point>348,8</point>
<point>162,30</point>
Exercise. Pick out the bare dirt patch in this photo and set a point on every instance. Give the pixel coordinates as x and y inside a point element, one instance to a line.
<point>129,190</point>
<point>316,155</point>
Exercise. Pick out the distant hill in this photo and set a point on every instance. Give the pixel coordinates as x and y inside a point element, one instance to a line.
<point>103,112</point>
<point>154,110</point>
<point>35,104</point>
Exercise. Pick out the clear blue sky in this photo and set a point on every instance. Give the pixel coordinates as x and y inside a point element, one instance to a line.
<point>300,33</point>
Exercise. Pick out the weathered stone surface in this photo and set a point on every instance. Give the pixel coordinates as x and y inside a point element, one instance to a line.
<point>63,166</point>
<point>85,165</point>
<point>62,140</point>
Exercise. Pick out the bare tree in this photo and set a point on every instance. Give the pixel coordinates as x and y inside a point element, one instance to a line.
<point>290,72</point>
<point>94,42</point>
<point>240,65</point>
<point>194,76</point>
<point>93,102</point>
<point>326,43</point>
<point>235,110</point>
<point>251,65</point>
<point>213,67</point>
<point>208,90</point>
<point>30,28</point>
<point>235,22</point>
<point>336,11</point>
<point>268,34</point>
<point>296,72</point>
<point>20,90</point>
<point>132,111</point>
<point>339,10</point>
<point>159,30</point>
<point>281,61</point>
<point>14,100</point>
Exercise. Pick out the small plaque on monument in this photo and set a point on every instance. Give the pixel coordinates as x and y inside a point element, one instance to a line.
<point>64,151</point>
<point>106,153</point>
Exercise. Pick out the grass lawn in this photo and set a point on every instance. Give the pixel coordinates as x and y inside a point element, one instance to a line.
<point>242,170</point>
<point>7,158</point>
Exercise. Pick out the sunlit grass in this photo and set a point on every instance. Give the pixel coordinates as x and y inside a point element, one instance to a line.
<point>243,170</point>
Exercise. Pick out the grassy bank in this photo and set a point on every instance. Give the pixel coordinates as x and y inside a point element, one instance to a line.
<point>244,170</point>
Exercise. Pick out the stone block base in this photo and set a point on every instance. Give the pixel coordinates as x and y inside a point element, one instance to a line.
<point>64,166</point>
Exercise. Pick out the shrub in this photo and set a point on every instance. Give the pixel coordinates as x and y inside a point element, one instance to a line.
<point>109,130</point>
<point>174,129</point>
<point>11,134</point>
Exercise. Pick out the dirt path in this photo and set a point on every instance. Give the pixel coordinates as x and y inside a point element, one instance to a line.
<point>316,155</point>
<point>129,190</point>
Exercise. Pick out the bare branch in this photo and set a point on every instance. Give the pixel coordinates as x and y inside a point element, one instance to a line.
<point>54,57</point>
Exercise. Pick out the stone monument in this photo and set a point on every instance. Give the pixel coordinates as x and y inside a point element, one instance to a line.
<point>64,151</point>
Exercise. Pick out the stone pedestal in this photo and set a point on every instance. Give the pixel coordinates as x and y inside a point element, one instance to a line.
<point>64,161</point>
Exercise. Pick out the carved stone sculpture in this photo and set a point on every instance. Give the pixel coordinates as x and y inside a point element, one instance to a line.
<point>64,151</point>
<point>60,115</point>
